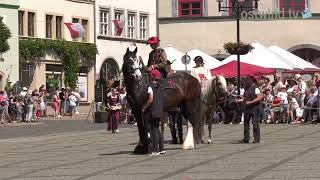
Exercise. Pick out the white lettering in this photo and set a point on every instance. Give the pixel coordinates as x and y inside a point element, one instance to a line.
<point>244,15</point>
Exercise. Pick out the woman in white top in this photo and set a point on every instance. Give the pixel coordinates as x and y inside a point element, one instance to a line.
<point>72,103</point>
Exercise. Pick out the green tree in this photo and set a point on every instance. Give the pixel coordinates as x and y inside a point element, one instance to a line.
<point>5,34</point>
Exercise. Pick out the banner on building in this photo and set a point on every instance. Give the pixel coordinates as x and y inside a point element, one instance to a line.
<point>119,23</point>
<point>76,30</point>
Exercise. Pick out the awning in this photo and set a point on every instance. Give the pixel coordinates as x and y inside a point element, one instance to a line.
<point>230,70</point>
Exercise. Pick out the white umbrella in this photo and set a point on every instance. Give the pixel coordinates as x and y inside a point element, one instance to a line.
<point>263,57</point>
<point>209,61</point>
<point>297,61</point>
<point>174,56</point>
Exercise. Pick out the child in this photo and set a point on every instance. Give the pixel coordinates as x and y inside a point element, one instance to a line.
<point>292,108</point>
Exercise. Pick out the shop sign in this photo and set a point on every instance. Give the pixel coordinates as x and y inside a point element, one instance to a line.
<point>275,15</point>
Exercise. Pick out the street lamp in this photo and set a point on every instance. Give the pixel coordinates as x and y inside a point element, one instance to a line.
<point>239,9</point>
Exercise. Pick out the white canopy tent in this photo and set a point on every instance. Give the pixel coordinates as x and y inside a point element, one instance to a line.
<point>174,56</point>
<point>297,61</point>
<point>209,61</point>
<point>263,57</point>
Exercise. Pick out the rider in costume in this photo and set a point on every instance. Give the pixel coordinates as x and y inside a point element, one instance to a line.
<point>157,57</point>
<point>200,72</point>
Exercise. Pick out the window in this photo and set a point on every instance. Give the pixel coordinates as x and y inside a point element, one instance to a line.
<point>143,27</point>
<point>117,16</point>
<point>190,8</point>
<point>131,25</point>
<point>31,20</point>
<point>75,20</point>
<point>49,26</point>
<point>248,4</point>
<point>85,27</point>
<point>53,79</point>
<point>20,20</point>
<point>59,27</point>
<point>294,5</point>
<point>104,22</point>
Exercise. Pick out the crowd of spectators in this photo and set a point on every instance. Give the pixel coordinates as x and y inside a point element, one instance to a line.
<point>31,105</point>
<point>287,99</point>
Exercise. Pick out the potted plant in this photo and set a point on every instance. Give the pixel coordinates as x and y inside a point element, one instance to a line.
<point>101,115</point>
<point>237,48</point>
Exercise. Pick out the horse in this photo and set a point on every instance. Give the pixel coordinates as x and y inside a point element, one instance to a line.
<point>186,94</point>
<point>214,91</point>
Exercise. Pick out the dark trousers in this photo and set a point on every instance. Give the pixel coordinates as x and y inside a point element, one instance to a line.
<point>307,114</point>
<point>255,116</point>
<point>157,138</point>
<point>176,119</point>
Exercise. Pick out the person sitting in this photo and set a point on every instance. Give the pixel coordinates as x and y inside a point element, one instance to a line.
<point>155,105</point>
<point>157,57</point>
<point>282,94</point>
<point>310,106</point>
<point>292,108</point>
<point>267,101</point>
<point>199,71</point>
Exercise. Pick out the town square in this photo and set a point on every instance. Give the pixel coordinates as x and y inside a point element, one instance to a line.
<point>159,89</point>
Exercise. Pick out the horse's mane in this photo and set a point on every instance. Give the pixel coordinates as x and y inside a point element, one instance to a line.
<point>208,88</point>
<point>208,95</point>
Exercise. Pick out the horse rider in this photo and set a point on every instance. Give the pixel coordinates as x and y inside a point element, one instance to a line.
<point>199,71</point>
<point>155,105</point>
<point>157,57</point>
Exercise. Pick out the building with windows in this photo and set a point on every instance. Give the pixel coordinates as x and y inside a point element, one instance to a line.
<point>188,24</point>
<point>9,61</point>
<point>45,20</point>
<point>139,23</point>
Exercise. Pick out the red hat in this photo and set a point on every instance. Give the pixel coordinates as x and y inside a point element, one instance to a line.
<point>155,74</point>
<point>153,40</point>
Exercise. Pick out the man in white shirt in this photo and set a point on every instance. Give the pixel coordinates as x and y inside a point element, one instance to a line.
<point>302,86</point>
<point>278,83</point>
<point>199,71</point>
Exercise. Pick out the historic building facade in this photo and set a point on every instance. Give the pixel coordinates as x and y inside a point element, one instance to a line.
<point>45,20</point>
<point>139,19</point>
<point>9,61</point>
<point>277,22</point>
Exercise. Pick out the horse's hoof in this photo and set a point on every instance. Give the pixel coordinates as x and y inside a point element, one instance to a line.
<point>187,147</point>
<point>209,141</point>
<point>202,141</point>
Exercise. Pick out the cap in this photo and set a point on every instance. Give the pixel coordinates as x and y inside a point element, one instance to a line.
<point>153,40</point>
<point>297,76</point>
<point>155,74</point>
<point>198,58</point>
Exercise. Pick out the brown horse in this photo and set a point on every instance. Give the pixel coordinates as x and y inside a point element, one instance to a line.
<point>213,92</point>
<point>185,94</point>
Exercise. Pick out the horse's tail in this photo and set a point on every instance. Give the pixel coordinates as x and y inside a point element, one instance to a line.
<point>198,120</point>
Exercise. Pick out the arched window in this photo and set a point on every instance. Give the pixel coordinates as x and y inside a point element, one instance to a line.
<point>109,70</point>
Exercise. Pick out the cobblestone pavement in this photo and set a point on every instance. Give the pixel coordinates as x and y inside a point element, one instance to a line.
<point>286,152</point>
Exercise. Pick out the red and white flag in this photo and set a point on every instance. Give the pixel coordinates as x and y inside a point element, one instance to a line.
<point>76,30</point>
<point>119,25</point>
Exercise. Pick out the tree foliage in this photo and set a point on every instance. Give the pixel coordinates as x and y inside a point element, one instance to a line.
<point>5,34</point>
<point>71,54</point>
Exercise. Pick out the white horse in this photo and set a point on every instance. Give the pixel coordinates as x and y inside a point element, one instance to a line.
<point>213,90</point>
